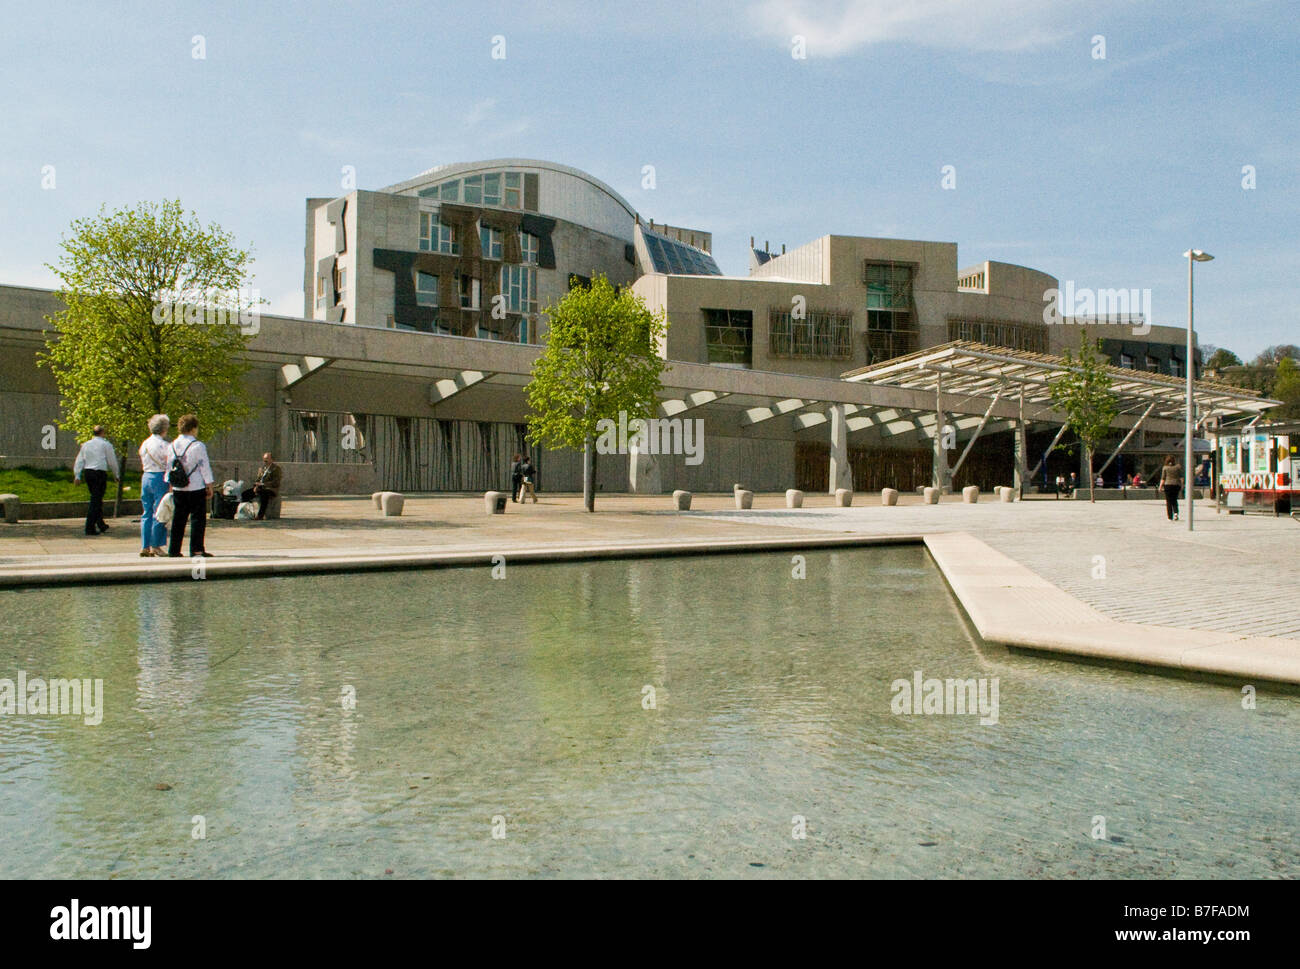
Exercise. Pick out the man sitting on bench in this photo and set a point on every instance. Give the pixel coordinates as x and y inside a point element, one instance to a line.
<point>267,485</point>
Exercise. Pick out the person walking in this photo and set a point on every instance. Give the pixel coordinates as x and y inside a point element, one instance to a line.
<point>1171,479</point>
<point>155,456</point>
<point>516,478</point>
<point>529,477</point>
<point>190,477</point>
<point>94,461</point>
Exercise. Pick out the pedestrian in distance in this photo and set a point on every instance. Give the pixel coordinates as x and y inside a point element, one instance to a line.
<point>529,476</point>
<point>516,478</point>
<point>155,456</point>
<point>1171,479</point>
<point>95,459</point>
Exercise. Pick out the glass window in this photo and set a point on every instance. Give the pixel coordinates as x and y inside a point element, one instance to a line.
<point>320,291</point>
<point>490,242</point>
<point>1153,363</point>
<point>523,330</point>
<point>826,335</point>
<point>529,247</point>
<point>474,190</point>
<point>519,287</point>
<point>450,191</point>
<point>470,292</point>
<point>437,236</point>
<point>729,337</point>
<point>492,189</point>
<point>514,197</point>
<point>1125,361</point>
<point>343,283</point>
<point>426,289</point>
<point>1176,367</point>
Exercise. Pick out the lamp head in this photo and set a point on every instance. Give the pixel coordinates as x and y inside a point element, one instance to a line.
<point>1199,255</point>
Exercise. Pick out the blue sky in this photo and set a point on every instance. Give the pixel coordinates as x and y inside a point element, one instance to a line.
<point>1102,171</point>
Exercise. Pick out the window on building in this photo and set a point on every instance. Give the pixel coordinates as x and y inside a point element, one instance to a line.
<point>450,191</point>
<point>470,292</point>
<point>1153,363</point>
<point>437,236</point>
<point>474,190</point>
<point>529,248</point>
<point>519,287</point>
<point>492,189</point>
<point>1000,333</point>
<point>490,242</point>
<point>1125,361</point>
<point>821,335</point>
<point>341,287</point>
<point>514,198</point>
<point>729,337</point>
<point>320,291</point>
<point>1176,367</point>
<point>426,289</point>
<point>891,321</point>
<point>525,330</point>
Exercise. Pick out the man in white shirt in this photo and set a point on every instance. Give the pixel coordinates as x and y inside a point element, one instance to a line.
<point>191,498</point>
<point>94,461</point>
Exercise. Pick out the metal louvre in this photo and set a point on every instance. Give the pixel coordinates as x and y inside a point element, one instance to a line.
<point>975,370</point>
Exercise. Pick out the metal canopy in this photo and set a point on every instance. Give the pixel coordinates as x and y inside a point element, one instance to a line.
<point>976,370</point>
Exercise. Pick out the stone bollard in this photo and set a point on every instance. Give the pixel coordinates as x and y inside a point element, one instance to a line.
<point>930,496</point>
<point>970,494</point>
<point>737,487</point>
<point>794,498</point>
<point>1008,494</point>
<point>843,497</point>
<point>744,499</point>
<point>494,502</point>
<point>682,500</point>
<point>273,508</point>
<point>11,504</point>
<point>375,497</point>
<point>390,503</point>
<point>889,496</point>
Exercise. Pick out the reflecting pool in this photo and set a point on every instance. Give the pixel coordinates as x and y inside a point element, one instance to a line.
<point>686,717</point>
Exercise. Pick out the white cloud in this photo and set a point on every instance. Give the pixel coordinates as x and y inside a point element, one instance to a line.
<point>839,27</point>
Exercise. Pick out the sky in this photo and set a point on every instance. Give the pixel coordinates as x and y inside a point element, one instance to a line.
<point>1095,141</point>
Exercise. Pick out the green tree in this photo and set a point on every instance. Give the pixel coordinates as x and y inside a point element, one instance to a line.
<point>156,311</point>
<point>1286,388</point>
<point>1220,358</point>
<point>601,358</point>
<point>1083,394</point>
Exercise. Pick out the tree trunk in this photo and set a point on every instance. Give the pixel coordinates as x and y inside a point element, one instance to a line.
<point>1092,480</point>
<point>589,474</point>
<point>121,481</point>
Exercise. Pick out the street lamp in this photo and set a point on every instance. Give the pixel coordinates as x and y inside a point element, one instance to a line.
<point>1192,256</point>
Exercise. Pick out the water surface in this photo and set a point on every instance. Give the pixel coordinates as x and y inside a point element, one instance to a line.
<point>523,699</point>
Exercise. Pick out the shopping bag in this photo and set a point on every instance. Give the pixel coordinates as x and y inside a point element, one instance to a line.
<point>166,510</point>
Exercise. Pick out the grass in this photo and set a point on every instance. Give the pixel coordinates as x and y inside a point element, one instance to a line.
<point>55,484</point>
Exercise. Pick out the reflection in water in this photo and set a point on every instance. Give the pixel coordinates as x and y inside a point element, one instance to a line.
<point>523,698</point>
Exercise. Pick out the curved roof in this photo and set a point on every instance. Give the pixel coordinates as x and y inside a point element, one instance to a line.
<point>440,173</point>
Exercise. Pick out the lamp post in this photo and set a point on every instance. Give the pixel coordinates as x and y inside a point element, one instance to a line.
<point>1193,256</point>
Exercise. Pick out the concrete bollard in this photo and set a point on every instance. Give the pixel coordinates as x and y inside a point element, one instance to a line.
<point>889,496</point>
<point>744,499</point>
<point>737,487</point>
<point>390,503</point>
<point>970,494</point>
<point>930,496</point>
<point>375,497</point>
<point>494,502</point>
<point>273,508</point>
<point>11,504</point>
<point>794,498</point>
<point>682,500</point>
<point>843,497</point>
<point>1008,494</point>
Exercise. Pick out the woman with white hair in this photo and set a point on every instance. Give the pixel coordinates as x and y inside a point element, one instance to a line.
<point>155,456</point>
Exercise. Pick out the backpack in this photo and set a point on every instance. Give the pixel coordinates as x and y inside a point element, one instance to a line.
<point>178,477</point>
